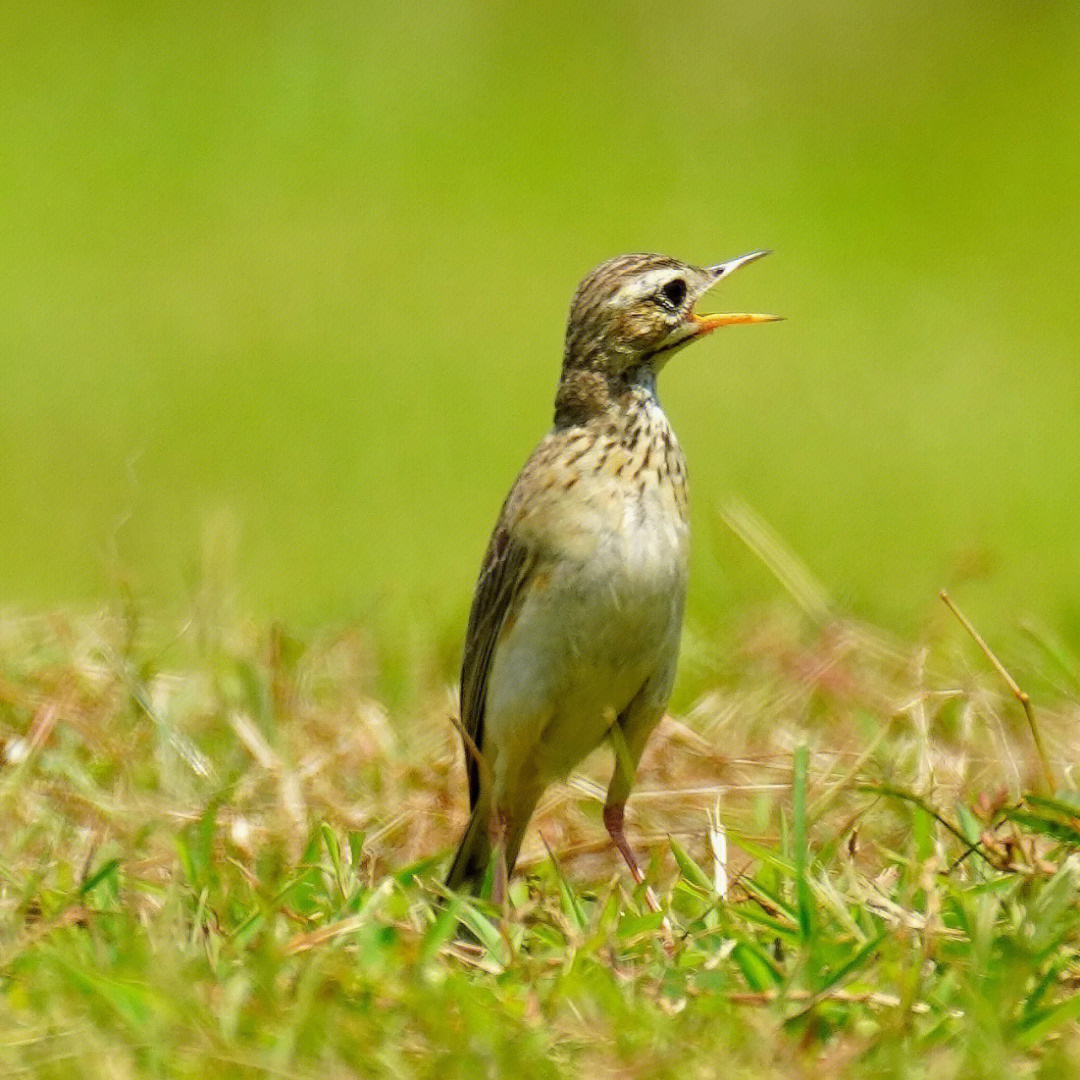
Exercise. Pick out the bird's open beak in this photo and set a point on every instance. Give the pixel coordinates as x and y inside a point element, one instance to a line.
<point>704,324</point>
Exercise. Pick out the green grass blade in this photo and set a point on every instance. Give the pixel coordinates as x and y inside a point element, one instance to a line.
<point>690,869</point>
<point>803,892</point>
<point>756,967</point>
<point>1034,1029</point>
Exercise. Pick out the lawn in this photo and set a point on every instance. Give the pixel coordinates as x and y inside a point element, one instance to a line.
<point>281,304</point>
<point>222,850</point>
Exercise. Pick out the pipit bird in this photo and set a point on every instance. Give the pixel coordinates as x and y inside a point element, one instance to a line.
<point>574,631</point>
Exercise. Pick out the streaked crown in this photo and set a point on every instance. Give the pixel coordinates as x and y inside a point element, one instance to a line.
<point>627,318</point>
<point>627,308</point>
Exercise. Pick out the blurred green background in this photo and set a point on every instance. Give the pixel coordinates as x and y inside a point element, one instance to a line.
<point>282,291</point>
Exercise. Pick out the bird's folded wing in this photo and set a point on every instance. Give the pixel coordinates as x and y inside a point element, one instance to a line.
<point>504,577</point>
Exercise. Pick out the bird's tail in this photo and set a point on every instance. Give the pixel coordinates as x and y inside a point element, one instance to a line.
<point>473,854</point>
<point>470,865</point>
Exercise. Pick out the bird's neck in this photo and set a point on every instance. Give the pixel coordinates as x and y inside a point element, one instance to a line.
<point>588,395</point>
<point>623,419</point>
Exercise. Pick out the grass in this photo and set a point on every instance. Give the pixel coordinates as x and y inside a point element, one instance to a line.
<point>221,856</point>
<point>281,302</point>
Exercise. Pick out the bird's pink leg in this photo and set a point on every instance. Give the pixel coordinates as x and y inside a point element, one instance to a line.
<point>613,822</point>
<point>499,827</point>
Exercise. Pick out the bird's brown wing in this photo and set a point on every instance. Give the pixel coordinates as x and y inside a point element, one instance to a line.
<point>508,566</point>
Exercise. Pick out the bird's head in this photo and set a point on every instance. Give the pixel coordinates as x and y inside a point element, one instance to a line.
<point>632,313</point>
<point>641,308</point>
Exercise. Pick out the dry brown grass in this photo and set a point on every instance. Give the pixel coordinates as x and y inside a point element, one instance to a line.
<point>238,792</point>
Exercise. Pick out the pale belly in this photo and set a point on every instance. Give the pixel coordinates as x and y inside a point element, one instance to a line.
<point>600,627</point>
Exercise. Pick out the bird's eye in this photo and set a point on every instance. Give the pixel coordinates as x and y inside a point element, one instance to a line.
<point>675,292</point>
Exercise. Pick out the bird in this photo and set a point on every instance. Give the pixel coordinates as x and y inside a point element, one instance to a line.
<point>573,634</point>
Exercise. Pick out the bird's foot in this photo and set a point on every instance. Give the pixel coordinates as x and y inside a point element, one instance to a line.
<point>614,814</point>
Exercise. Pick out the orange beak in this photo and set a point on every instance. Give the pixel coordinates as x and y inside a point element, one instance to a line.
<point>705,324</point>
